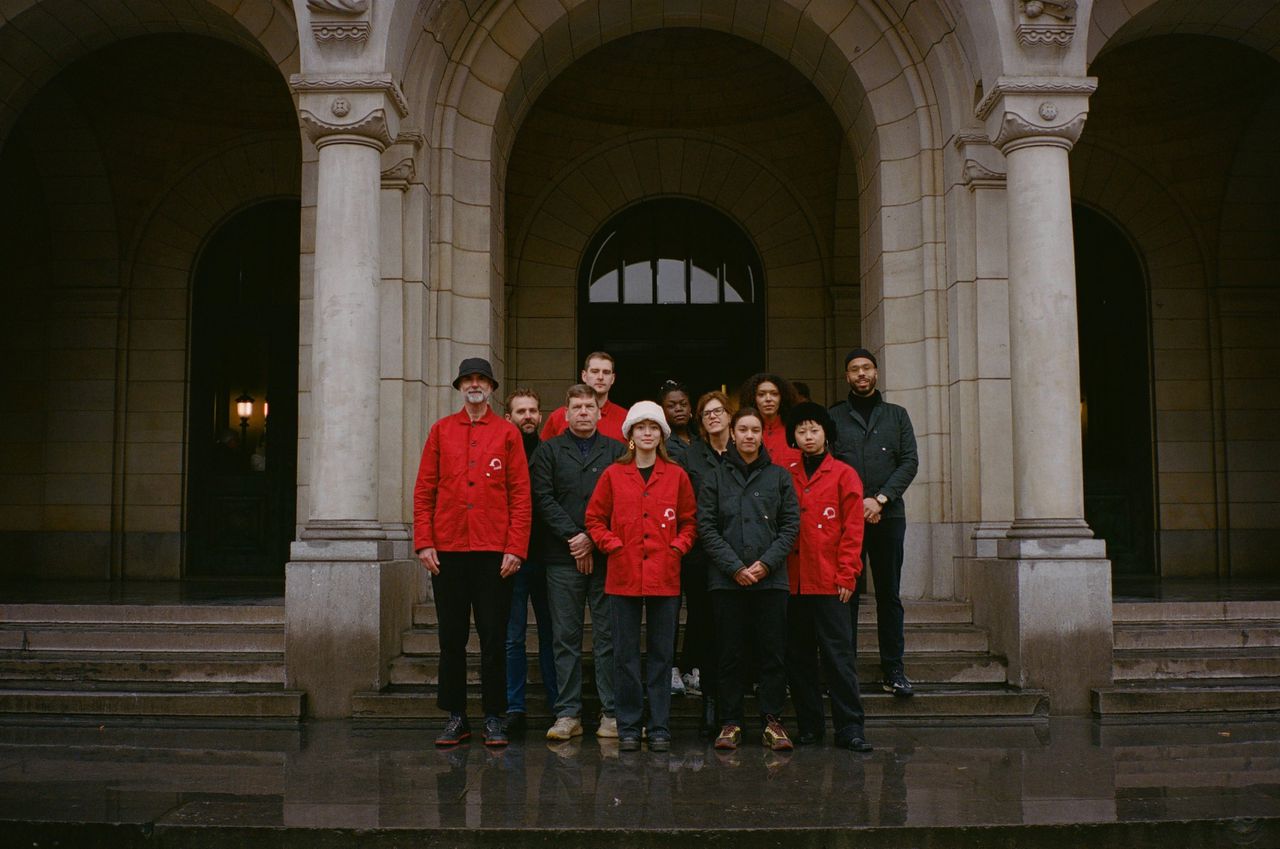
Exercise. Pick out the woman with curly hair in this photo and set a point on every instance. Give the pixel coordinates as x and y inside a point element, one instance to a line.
<point>774,396</point>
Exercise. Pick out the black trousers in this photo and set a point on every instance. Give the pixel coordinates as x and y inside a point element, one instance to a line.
<point>470,581</point>
<point>660,614</point>
<point>819,626</point>
<point>882,551</point>
<point>755,619</point>
<point>699,626</point>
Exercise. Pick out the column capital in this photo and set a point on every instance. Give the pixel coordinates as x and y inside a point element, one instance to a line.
<point>327,104</point>
<point>1033,111</point>
<point>982,163</point>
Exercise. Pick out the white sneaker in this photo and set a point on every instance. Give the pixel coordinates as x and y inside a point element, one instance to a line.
<point>565,728</point>
<point>608,727</point>
<point>693,682</point>
<point>677,683</point>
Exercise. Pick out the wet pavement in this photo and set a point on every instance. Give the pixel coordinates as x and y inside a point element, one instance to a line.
<point>1063,782</point>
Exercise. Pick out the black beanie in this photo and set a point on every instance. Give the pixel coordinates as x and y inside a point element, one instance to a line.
<point>860,352</point>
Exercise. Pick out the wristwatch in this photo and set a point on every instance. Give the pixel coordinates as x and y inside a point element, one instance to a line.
<point>882,499</point>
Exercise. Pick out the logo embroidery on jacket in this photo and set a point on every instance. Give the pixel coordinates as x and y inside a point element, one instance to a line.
<point>496,464</point>
<point>829,513</point>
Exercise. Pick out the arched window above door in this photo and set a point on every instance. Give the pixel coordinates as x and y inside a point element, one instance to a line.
<point>671,251</point>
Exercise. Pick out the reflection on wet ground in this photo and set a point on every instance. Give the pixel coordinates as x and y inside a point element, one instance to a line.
<point>334,775</point>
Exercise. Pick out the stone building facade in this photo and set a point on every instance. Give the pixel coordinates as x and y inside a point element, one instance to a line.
<point>907,172</point>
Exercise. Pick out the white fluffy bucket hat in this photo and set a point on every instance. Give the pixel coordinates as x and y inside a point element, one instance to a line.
<point>645,411</point>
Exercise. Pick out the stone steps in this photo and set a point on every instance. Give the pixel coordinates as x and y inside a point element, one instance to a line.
<point>995,702</point>
<point>1193,658</point>
<point>199,661</point>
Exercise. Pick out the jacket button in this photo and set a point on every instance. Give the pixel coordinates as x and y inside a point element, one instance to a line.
<point>471,483</point>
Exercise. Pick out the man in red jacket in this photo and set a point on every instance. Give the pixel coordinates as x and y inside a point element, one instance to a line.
<point>471,521</point>
<point>598,373</point>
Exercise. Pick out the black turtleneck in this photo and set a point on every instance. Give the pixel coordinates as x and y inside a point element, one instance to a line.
<point>531,441</point>
<point>812,462</point>
<point>863,405</point>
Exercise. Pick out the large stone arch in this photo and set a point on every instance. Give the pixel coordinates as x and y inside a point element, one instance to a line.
<point>1113,23</point>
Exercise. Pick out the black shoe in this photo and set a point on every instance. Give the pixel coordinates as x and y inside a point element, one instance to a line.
<point>853,744</point>
<point>710,721</point>
<point>809,738</point>
<point>494,735</point>
<point>659,743</point>
<point>515,723</point>
<point>456,730</point>
<point>629,744</point>
<point>897,684</point>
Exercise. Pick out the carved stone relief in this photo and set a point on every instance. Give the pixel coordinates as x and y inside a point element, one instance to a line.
<point>1050,22</point>
<point>325,29</point>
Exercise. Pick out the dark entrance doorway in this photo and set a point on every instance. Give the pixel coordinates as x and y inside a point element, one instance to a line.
<point>242,469</point>
<point>1115,377</point>
<point>674,289</point>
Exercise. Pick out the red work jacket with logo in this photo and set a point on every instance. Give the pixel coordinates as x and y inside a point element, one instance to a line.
<point>774,437</point>
<point>828,551</point>
<point>611,418</point>
<point>644,527</point>
<point>472,492</point>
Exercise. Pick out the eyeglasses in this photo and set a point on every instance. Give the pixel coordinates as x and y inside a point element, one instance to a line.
<point>717,412</point>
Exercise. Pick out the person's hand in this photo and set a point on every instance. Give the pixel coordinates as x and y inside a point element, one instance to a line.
<point>871,510</point>
<point>510,565</point>
<point>580,545</point>
<point>759,571</point>
<point>745,577</point>
<point>430,559</point>
<point>844,594</point>
<point>585,563</point>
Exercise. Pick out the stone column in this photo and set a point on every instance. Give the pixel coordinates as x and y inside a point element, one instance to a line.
<point>346,597</point>
<point>1049,590</point>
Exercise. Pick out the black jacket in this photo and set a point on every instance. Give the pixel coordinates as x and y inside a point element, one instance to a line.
<point>745,515</point>
<point>562,481</point>
<point>882,451</point>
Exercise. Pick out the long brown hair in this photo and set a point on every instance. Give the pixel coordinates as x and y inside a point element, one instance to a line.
<point>787,392</point>
<point>707,398</point>
<point>629,456</point>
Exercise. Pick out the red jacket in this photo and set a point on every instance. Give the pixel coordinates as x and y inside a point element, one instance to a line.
<point>473,487</point>
<point>828,552</point>
<point>774,437</point>
<point>611,418</point>
<point>645,528</point>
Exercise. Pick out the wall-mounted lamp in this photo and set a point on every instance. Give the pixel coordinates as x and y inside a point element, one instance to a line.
<point>244,409</point>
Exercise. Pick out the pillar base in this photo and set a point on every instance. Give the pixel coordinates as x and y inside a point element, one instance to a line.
<point>343,621</point>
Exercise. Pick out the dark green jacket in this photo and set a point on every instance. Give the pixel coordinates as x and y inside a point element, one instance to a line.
<point>562,481</point>
<point>882,451</point>
<point>745,516</point>
<point>700,461</point>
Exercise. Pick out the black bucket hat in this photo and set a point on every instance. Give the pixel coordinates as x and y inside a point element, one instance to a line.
<point>475,365</point>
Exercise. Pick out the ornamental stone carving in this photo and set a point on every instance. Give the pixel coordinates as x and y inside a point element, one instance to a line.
<point>325,29</point>
<point>372,130</point>
<point>1051,22</point>
<point>339,7</point>
<point>1021,111</point>
<point>983,165</point>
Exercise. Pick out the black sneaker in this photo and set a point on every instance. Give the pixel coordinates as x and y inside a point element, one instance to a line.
<point>494,735</point>
<point>897,684</point>
<point>855,743</point>
<point>515,723</point>
<point>456,730</point>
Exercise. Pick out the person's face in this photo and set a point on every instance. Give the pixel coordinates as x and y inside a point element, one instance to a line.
<point>599,376</point>
<point>768,398</point>
<point>583,415</point>
<point>715,418</point>
<point>676,407</point>
<point>475,388</point>
<point>646,435</point>
<point>746,435</point>
<point>811,438</point>
<point>524,413</point>
<point>861,375</point>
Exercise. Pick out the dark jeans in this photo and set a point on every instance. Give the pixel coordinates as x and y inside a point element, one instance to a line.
<point>757,619</point>
<point>699,624</point>
<point>530,583</point>
<point>818,625</point>
<point>469,581</point>
<point>882,550</point>
<point>662,613</point>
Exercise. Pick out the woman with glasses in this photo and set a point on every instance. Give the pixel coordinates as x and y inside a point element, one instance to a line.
<point>701,458</point>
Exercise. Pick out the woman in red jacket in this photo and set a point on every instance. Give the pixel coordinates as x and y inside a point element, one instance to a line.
<point>823,568</point>
<point>643,516</point>
<point>774,396</point>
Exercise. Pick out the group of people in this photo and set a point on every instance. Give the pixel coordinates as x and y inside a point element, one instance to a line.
<point>761,511</point>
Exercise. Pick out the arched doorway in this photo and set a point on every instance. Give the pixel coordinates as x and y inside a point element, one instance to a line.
<point>242,432</point>
<point>673,289</point>
<point>1116,402</point>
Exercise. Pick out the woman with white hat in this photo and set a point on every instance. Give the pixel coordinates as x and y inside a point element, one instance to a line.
<point>643,515</point>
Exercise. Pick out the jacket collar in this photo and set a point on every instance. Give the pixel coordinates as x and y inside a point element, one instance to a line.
<point>570,448</point>
<point>464,418</point>
<point>823,468</point>
<point>659,467</point>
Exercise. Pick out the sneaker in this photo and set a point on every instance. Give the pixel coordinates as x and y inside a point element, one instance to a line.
<point>897,684</point>
<point>494,734</point>
<point>693,682</point>
<point>629,744</point>
<point>565,728</point>
<point>730,737</point>
<point>677,683</point>
<point>855,743</point>
<point>515,723</point>
<point>775,736</point>
<point>456,730</point>
<point>659,743</point>
<point>608,728</point>
<point>809,738</point>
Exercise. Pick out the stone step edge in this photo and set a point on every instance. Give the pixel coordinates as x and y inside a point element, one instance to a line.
<point>1179,611</point>
<point>166,614</point>
<point>278,703</point>
<point>1183,702</point>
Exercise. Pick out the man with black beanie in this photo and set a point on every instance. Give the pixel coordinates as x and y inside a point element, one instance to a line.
<point>877,440</point>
